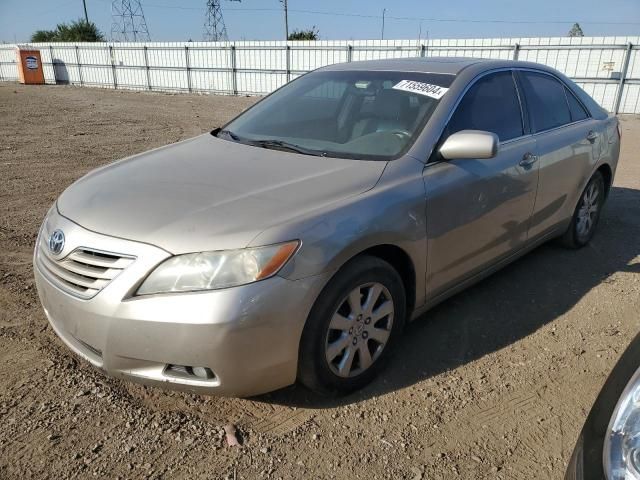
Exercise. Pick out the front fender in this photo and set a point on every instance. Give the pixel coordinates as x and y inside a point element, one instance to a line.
<point>392,213</point>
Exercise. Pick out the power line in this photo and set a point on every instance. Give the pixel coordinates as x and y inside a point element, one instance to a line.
<point>44,12</point>
<point>458,20</point>
<point>425,19</point>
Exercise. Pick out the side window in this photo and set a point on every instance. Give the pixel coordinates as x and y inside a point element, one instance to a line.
<point>492,105</point>
<point>546,101</point>
<point>576,109</point>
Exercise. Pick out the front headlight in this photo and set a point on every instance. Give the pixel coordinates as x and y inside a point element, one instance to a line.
<point>214,270</point>
<point>621,455</point>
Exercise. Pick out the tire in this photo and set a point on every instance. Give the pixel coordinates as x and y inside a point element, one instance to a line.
<point>580,233</point>
<point>335,327</point>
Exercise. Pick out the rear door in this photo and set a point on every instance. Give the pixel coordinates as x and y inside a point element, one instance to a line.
<point>568,144</point>
<point>478,209</point>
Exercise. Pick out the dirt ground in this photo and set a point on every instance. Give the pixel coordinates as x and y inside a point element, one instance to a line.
<point>494,383</point>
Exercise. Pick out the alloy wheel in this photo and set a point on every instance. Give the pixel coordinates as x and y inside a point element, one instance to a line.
<point>359,330</point>
<point>588,211</point>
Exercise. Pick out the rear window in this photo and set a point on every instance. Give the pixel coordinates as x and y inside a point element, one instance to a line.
<point>546,101</point>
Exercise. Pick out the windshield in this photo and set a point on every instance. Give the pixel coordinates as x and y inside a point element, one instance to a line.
<point>348,114</point>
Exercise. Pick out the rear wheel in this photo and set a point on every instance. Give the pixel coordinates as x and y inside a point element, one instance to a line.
<point>587,213</point>
<point>352,327</point>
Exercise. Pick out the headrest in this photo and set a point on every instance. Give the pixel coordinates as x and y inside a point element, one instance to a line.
<point>391,104</point>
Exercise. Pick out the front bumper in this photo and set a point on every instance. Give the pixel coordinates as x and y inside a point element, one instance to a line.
<point>248,336</point>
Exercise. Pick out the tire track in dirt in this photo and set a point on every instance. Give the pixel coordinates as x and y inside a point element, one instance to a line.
<point>494,383</point>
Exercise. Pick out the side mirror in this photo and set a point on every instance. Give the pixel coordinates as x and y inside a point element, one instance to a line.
<point>470,144</point>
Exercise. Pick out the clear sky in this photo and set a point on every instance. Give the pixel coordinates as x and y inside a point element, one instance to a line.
<point>180,20</point>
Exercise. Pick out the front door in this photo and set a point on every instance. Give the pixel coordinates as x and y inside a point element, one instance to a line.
<point>478,210</point>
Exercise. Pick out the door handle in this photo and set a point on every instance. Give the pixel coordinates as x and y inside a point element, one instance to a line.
<point>592,136</point>
<point>528,159</point>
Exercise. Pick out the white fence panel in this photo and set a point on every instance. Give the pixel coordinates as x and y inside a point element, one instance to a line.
<point>606,67</point>
<point>96,66</point>
<point>47,64</point>
<point>603,93</point>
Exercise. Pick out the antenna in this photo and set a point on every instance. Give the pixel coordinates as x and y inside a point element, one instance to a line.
<point>214,28</point>
<point>128,22</point>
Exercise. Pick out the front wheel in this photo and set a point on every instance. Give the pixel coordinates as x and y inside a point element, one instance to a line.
<point>352,327</point>
<point>586,215</point>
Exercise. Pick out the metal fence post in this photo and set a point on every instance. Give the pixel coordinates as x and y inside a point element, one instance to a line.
<point>423,50</point>
<point>79,66</point>
<point>146,67</point>
<point>623,77</point>
<point>288,51</point>
<point>113,67</point>
<point>53,64</point>
<point>1,75</point>
<point>349,52</point>
<point>186,59</point>
<point>516,51</point>
<point>234,71</point>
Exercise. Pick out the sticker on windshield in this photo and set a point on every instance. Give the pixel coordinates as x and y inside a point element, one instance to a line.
<point>433,91</point>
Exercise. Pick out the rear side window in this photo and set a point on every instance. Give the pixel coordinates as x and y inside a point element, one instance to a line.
<point>546,101</point>
<point>575,107</point>
<point>492,105</point>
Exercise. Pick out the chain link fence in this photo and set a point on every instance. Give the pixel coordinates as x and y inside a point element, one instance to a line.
<point>608,68</point>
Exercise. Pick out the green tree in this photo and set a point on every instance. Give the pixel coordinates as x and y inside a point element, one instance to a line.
<point>76,31</point>
<point>310,34</point>
<point>44,36</point>
<point>576,31</point>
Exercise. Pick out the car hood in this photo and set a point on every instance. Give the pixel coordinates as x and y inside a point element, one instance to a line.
<point>209,194</point>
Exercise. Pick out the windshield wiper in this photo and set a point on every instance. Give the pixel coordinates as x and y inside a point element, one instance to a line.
<point>272,143</point>
<point>282,145</point>
<point>230,134</point>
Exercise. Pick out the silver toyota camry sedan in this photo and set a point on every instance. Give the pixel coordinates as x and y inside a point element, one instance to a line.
<point>294,243</point>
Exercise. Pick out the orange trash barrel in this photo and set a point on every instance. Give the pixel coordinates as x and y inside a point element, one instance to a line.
<point>30,67</point>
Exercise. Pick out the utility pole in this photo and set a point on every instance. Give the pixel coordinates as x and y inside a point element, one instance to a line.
<point>286,20</point>
<point>384,11</point>
<point>86,17</point>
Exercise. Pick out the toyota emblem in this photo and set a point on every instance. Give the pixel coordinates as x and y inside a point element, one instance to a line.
<point>56,242</point>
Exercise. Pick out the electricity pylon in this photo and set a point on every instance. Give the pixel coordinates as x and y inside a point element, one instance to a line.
<point>128,22</point>
<point>214,28</point>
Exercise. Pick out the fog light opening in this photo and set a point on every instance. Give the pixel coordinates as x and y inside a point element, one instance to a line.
<point>187,371</point>
<point>203,372</point>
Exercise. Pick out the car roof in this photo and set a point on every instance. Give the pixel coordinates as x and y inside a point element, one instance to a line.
<point>445,65</point>
<point>455,66</point>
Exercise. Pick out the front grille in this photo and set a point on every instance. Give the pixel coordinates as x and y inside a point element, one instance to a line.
<point>84,272</point>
